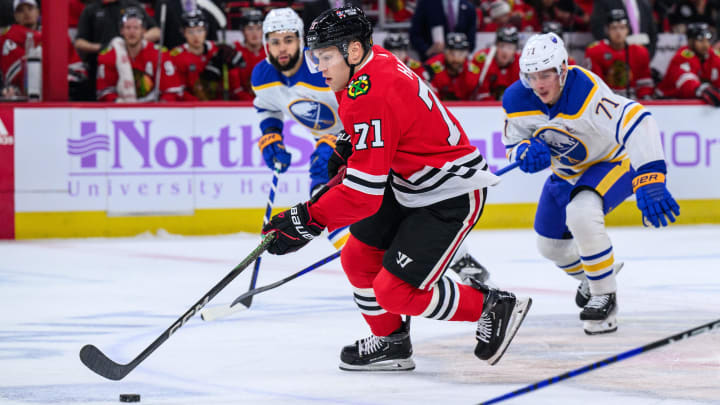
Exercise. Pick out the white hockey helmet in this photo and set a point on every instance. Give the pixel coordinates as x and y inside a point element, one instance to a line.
<point>542,52</point>
<point>282,20</point>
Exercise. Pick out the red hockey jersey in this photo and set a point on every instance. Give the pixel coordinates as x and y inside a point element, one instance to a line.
<point>189,66</point>
<point>626,71</point>
<point>458,87</point>
<point>251,59</point>
<point>12,66</point>
<point>144,71</point>
<point>497,79</point>
<point>686,72</point>
<point>402,135</point>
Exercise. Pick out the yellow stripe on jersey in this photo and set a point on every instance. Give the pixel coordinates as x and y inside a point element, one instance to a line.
<point>612,177</point>
<point>311,87</point>
<point>636,108</point>
<point>525,113</point>
<point>587,99</point>
<point>265,86</point>
<point>600,266</point>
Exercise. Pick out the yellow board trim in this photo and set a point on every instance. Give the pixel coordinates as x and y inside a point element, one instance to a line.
<point>612,177</point>
<point>30,225</point>
<point>631,114</point>
<point>605,264</point>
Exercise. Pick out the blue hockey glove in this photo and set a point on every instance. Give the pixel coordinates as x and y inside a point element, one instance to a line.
<point>273,150</point>
<point>319,161</point>
<point>653,198</point>
<point>533,155</point>
<point>293,228</point>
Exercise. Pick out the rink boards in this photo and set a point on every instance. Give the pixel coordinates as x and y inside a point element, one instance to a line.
<point>111,170</point>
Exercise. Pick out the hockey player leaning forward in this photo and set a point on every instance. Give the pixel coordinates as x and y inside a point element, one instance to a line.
<point>284,86</point>
<point>414,189</point>
<point>602,148</point>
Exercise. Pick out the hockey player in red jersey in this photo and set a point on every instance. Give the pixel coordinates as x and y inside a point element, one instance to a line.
<point>498,65</point>
<point>414,187</point>
<point>694,71</point>
<point>24,33</point>
<point>252,49</point>
<point>127,68</point>
<point>624,67</point>
<point>200,63</point>
<point>399,45</point>
<point>452,76</point>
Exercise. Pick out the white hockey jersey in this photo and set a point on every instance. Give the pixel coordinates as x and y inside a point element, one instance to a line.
<point>588,124</point>
<point>304,97</point>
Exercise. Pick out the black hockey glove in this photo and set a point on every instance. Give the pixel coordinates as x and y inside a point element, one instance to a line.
<point>293,228</point>
<point>708,94</point>
<point>227,55</point>
<point>341,154</point>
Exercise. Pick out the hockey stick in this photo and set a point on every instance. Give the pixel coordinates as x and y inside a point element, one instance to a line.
<point>507,168</point>
<point>618,357</point>
<point>221,311</point>
<point>268,211</point>
<point>98,362</point>
<point>158,68</point>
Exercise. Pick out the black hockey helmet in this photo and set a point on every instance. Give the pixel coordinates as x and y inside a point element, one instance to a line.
<point>508,33</point>
<point>193,18</point>
<point>698,31</point>
<point>396,41</point>
<point>251,16</point>
<point>617,15</point>
<point>457,40</point>
<point>131,12</point>
<point>554,27</point>
<point>338,27</point>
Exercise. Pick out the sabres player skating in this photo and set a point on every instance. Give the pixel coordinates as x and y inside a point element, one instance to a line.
<point>601,148</point>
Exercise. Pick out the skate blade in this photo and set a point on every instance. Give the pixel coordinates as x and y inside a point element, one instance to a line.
<point>607,325</point>
<point>387,365</point>
<point>519,313</point>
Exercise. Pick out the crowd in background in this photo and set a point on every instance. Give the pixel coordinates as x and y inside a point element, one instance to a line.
<point>113,54</point>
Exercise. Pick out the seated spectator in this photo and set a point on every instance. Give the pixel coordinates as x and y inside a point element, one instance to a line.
<point>451,75</point>
<point>498,66</point>
<point>202,65</point>
<point>98,25</point>
<point>252,49</point>
<point>433,18</point>
<point>572,17</point>
<point>541,11</point>
<point>127,68</point>
<point>643,29</point>
<point>693,71</point>
<point>624,67</point>
<point>685,12</point>
<point>399,45</point>
<point>13,43</point>
<point>557,29</point>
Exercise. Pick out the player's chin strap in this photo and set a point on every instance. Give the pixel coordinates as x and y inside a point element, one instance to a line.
<point>354,65</point>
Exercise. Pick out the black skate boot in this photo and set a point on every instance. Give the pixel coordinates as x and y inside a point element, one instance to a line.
<point>582,296</point>
<point>599,314</point>
<point>380,353</point>
<point>502,316</point>
<point>469,268</point>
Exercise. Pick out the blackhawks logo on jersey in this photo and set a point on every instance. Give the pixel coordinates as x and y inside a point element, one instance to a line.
<point>359,86</point>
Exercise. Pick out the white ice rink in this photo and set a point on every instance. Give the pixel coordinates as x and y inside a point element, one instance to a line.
<point>120,294</point>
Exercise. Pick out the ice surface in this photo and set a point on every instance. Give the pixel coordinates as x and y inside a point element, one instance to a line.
<point>120,294</point>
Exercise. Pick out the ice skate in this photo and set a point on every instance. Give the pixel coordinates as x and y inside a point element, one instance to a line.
<point>380,353</point>
<point>502,315</point>
<point>469,268</point>
<point>582,296</point>
<point>599,314</point>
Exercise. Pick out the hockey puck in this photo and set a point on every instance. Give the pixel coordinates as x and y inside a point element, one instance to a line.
<point>129,397</point>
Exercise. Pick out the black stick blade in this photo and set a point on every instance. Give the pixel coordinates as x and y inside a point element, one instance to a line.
<point>98,362</point>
